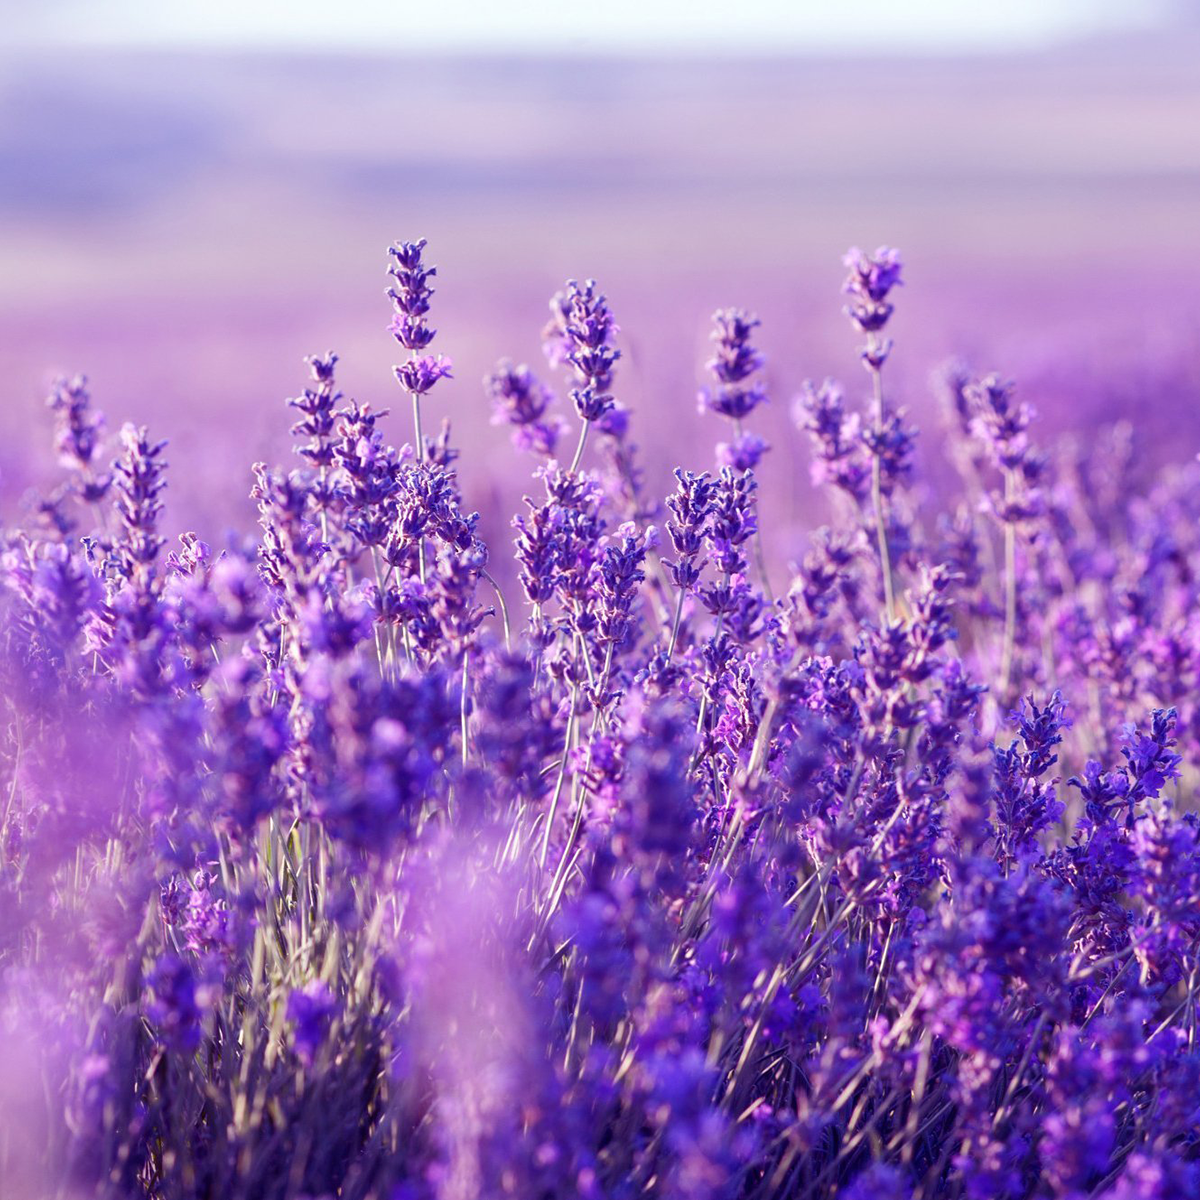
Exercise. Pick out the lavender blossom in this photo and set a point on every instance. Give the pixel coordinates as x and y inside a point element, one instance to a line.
<point>410,295</point>
<point>520,400</point>
<point>735,360</point>
<point>581,334</point>
<point>315,881</point>
<point>138,479</point>
<point>78,436</point>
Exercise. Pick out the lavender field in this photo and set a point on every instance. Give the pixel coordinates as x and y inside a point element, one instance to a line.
<point>628,747</point>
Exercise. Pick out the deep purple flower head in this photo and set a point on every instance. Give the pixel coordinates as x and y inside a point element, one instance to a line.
<point>518,397</point>
<point>387,738</point>
<point>661,809</point>
<point>735,396</point>
<point>734,358</point>
<point>410,294</point>
<point>1150,761</point>
<point>998,419</point>
<point>1167,877</point>
<point>690,505</point>
<point>1025,804</point>
<point>367,474</point>
<point>589,404</point>
<point>78,434</point>
<point>734,519</point>
<point>207,925</point>
<point>139,482</point>
<point>1150,755</point>
<point>411,291</point>
<point>893,443</point>
<point>581,333</point>
<point>619,571</point>
<point>871,279</point>
<point>590,330</point>
<point>836,438</point>
<point>418,375</point>
<point>615,421</point>
<point>317,405</point>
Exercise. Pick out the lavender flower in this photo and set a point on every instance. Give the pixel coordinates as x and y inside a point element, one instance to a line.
<point>820,412</point>
<point>520,400</point>
<point>138,476</point>
<point>581,334</point>
<point>78,435</point>
<point>315,882</point>
<point>869,282</point>
<point>733,363</point>
<point>410,295</point>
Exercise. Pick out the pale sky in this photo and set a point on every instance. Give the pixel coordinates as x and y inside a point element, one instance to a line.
<point>548,25</point>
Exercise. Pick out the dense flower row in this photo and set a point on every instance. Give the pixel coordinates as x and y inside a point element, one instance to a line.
<point>328,870</point>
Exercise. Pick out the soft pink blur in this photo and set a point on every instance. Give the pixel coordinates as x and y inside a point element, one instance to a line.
<point>185,229</point>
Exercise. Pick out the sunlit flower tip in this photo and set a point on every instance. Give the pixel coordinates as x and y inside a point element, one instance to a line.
<point>734,358</point>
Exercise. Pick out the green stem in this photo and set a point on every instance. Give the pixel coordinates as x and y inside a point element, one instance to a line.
<point>1010,594</point>
<point>583,434</point>
<point>885,556</point>
<point>562,774</point>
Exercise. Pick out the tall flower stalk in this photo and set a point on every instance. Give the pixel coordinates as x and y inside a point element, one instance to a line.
<point>869,284</point>
<point>1000,424</point>
<point>581,333</point>
<point>736,394</point>
<point>410,294</point>
<point>315,882</point>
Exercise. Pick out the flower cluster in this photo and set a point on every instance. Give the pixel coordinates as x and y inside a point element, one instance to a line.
<point>321,877</point>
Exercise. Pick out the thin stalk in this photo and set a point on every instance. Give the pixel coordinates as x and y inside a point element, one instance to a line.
<point>1010,593</point>
<point>503,609</point>
<point>704,699</point>
<point>570,856</point>
<point>562,774</point>
<point>675,625</point>
<point>420,447</point>
<point>885,556</point>
<point>416,399</point>
<point>760,557</point>
<point>583,434</point>
<point>463,707</point>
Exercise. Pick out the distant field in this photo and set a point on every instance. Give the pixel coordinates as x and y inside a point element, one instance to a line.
<point>185,229</point>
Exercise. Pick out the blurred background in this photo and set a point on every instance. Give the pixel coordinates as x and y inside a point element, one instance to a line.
<point>193,196</point>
